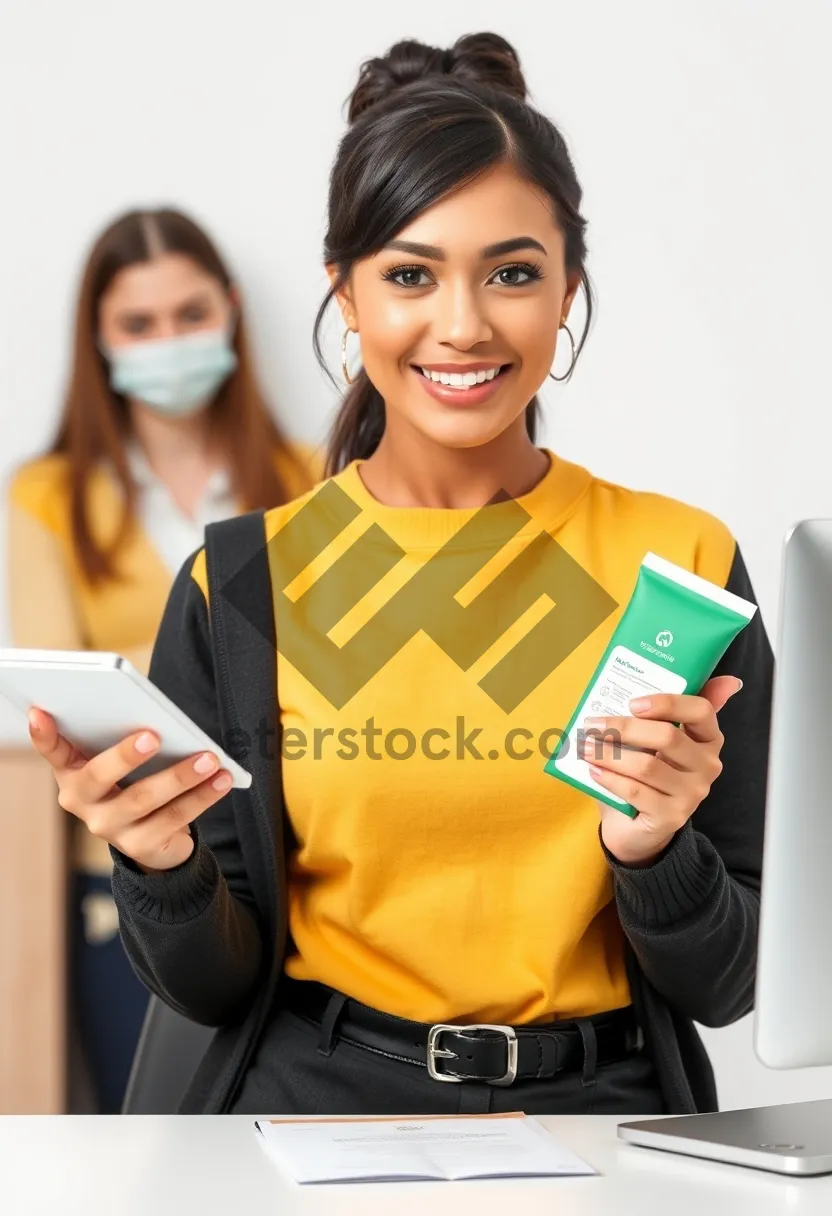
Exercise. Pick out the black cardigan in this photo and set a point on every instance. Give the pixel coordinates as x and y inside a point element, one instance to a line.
<point>209,937</point>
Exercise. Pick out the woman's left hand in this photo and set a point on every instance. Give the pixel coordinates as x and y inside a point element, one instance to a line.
<point>669,779</point>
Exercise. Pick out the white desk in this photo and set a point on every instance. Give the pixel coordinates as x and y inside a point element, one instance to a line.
<point>88,1165</point>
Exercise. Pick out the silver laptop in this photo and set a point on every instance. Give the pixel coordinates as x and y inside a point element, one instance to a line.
<point>793,1139</point>
<point>793,1005</point>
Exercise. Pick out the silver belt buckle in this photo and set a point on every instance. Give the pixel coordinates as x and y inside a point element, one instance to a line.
<point>435,1052</point>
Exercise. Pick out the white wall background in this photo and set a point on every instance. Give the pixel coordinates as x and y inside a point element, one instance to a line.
<point>700,132</point>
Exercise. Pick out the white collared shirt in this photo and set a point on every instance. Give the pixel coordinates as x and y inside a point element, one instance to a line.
<point>173,534</point>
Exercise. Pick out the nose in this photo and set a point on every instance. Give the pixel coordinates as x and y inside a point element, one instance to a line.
<point>461,320</point>
<point>167,327</point>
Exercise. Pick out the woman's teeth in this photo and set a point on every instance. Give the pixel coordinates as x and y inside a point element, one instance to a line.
<point>460,379</point>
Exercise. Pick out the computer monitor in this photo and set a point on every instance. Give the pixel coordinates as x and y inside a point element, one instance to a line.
<point>793,1002</point>
<point>793,1006</point>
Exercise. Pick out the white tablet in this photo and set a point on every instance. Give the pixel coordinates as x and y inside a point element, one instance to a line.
<point>97,698</point>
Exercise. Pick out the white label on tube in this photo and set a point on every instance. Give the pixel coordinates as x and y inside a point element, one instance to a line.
<point>624,676</point>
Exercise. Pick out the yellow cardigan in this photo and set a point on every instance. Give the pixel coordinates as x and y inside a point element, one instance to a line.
<point>52,605</point>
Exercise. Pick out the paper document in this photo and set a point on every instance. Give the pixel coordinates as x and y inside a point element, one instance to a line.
<point>436,1147</point>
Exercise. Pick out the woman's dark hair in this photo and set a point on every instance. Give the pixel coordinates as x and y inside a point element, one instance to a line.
<point>423,122</point>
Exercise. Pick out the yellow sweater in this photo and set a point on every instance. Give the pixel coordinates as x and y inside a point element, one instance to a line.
<point>51,603</point>
<point>450,887</point>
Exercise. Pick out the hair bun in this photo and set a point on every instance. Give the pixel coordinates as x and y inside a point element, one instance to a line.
<point>488,59</point>
<point>485,59</point>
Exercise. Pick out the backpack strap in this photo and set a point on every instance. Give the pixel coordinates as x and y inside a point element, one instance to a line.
<point>171,1047</point>
<point>244,650</point>
<point>237,564</point>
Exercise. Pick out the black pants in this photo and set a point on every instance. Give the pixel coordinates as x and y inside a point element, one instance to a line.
<point>290,1075</point>
<point>108,1000</point>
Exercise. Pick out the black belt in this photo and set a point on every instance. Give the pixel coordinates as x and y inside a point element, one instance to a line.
<point>477,1052</point>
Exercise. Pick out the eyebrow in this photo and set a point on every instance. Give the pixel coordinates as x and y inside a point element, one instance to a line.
<point>436,254</point>
<point>198,298</point>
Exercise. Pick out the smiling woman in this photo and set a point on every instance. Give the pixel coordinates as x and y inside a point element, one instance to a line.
<point>458,256</point>
<point>464,936</point>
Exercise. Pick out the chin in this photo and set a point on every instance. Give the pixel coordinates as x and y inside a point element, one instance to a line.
<point>462,431</point>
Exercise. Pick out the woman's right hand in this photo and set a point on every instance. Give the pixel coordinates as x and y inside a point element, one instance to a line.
<point>147,821</point>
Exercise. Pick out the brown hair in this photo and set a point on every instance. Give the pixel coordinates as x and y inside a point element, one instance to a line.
<point>424,121</point>
<point>95,421</point>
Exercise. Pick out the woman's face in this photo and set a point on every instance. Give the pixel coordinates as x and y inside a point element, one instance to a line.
<point>475,288</point>
<point>163,298</point>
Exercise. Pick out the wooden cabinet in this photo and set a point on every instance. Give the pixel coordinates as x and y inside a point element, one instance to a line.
<point>33,936</point>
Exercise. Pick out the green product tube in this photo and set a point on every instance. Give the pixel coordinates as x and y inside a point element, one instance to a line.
<point>672,634</point>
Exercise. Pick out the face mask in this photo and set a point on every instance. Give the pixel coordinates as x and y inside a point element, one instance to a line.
<point>175,376</point>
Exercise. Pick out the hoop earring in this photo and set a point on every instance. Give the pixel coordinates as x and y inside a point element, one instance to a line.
<point>563,325</point>
<point>344,368</point>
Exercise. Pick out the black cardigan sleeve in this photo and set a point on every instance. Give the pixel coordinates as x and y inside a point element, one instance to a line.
<point>692,917</point>
<point>193,934</point>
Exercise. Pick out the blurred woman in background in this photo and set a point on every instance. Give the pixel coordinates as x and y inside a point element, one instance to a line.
<point>164,429</point>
